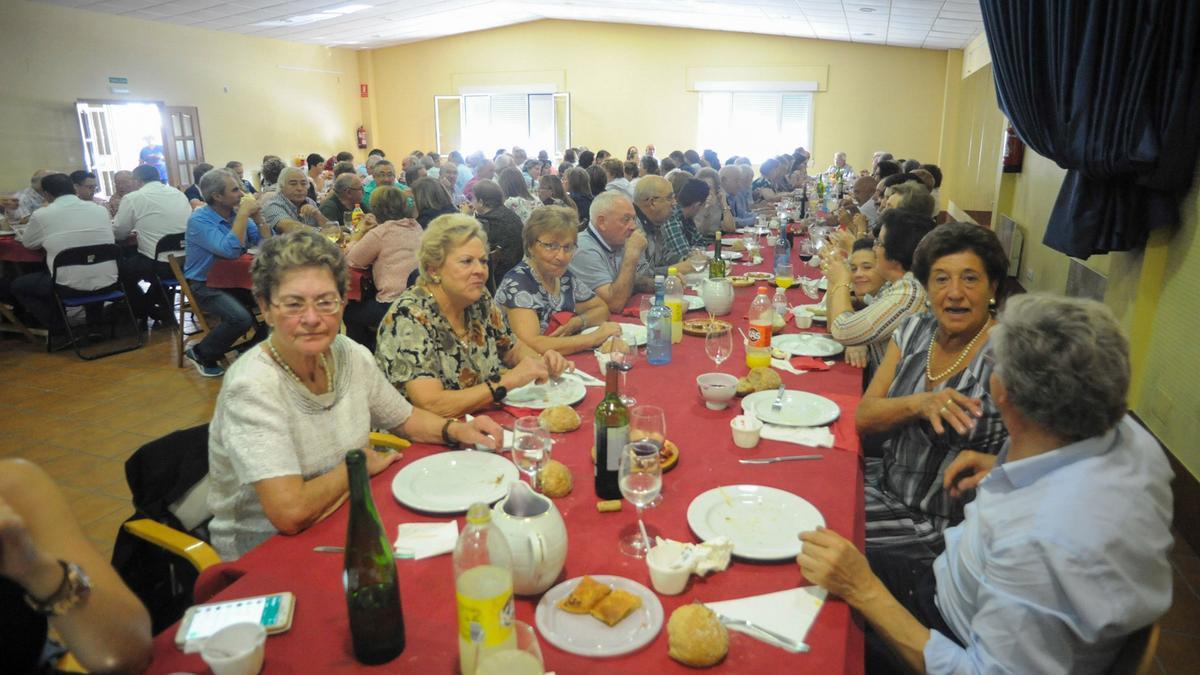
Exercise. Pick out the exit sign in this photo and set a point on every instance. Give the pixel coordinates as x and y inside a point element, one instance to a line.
<point>362,90</point>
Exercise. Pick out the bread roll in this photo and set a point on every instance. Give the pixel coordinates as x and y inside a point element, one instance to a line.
<point>559,419</point>
<point>695,637</point>
<point>556,479</point>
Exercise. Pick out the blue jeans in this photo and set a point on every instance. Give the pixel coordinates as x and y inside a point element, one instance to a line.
<point>229,305</point>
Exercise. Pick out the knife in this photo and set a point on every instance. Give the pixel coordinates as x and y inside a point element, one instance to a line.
<point>785,458</point>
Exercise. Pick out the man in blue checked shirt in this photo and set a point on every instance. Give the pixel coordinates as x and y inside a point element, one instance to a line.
<point>1063,553</point>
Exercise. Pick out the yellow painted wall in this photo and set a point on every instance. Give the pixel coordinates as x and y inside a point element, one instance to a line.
<point>970,161</point>
<point>628,84</point>
<point>53,56</point>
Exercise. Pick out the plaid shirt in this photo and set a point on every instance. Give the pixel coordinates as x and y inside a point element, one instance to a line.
<point>666,245</point>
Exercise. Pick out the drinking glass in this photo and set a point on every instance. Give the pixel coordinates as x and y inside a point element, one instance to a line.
<point>719,346</point>
<point>621,355</point>
<point>784,275</point>
<point>524,659</point>
<point>699,260</point>
<point>644,306</point>
<point>531,448</point>
<point>332,232</point>
<point>640,473</point>
<point>811,287</point>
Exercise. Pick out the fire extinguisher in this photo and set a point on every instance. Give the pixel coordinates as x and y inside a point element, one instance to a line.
<point>1014,151</point>
<point>362,136</point>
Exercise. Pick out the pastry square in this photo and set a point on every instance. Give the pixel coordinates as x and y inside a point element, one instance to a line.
<point>587,593</point>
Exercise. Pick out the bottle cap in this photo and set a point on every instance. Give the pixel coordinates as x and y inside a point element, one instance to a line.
<point>479,514</point>
<point>672,270</point>
<point>762,290</point>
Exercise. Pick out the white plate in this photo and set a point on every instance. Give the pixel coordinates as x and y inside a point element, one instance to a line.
<point>450,482</point>
<point>807,344</point>
<point>568,391</point>
<point>762,522</point>
<point>817,318</point>
<point>633,333</point>
<point>8,233</point>
<point>694,302</point>
<point>726,255</point>
<point>800,408</point>
<point>586,635</point>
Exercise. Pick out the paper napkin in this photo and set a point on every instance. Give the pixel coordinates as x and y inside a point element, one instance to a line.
<point>813,437</point>
<point>790,613</point>
<point>418,541</point>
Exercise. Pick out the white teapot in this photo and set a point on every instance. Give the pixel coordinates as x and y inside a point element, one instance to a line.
<point>717,295</point>
<point>536,536</point>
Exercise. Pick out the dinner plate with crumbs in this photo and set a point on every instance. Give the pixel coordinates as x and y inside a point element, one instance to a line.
<point>764,523</point>
<point>586,635</point>
<point>567,390</point>
<point>449,482</point>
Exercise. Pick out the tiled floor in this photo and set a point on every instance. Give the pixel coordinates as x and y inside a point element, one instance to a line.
<point>80,421</point>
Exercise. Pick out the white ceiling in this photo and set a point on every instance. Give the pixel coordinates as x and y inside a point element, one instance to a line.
<point>360,24</point>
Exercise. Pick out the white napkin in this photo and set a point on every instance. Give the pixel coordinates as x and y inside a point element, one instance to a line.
<point>790,613</point>
<point>786,367</point>
<point>814,437</point>
<point>417,541</point>
<point>710,556</point>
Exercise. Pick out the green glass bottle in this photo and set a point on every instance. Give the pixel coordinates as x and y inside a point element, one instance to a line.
<point>716,268</point>
<point>612,433</point>
<point>372,587</point>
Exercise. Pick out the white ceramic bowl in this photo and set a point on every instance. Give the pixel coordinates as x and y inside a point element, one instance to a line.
<point>717,389</point>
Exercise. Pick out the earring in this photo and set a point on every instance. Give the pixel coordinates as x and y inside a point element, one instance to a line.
<point>436,279</point>
<point>992,301</point>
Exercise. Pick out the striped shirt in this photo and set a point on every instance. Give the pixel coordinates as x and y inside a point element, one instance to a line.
<point>873,325</point>
<point>907,509</point>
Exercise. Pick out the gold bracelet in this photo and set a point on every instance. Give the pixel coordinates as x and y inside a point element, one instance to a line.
<point>849,289</point>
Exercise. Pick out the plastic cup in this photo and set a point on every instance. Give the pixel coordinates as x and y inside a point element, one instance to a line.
<point>803,318</point>
<point>666,575</point>
<point>236,649</point>
<point>746,431</point>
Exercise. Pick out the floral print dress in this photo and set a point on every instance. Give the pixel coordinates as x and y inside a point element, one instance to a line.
<point>416,341</point>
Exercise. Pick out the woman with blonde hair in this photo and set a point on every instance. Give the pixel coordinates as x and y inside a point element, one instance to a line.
<point>444,342</point>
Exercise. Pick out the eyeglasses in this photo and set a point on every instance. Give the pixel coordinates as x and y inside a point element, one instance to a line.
<point>555,248</point>
<point>668,198</point>
<point>294,307</point>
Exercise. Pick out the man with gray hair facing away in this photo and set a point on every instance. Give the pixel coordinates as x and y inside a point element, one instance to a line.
<point>1063,552</point>
<point>222,228</point>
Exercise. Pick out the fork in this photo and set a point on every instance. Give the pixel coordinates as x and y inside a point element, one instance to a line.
<point>777,404</point>
<point>766,635</point>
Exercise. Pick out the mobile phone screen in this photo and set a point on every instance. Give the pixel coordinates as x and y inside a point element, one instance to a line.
<point>208,619</point>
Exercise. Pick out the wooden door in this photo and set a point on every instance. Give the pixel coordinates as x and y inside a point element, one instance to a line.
<point>183,144</point>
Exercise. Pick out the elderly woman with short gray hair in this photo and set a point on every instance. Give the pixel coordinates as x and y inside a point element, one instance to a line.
<point>290,408</point>
<point>444,342</point>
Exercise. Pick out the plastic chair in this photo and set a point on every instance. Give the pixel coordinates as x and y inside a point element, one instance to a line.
<point>65,296</point>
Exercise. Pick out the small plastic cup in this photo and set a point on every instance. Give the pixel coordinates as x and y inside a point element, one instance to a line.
<point>802,317</point>
<point>236,649</point>
<point>746,431</point>
<point>666,574</point>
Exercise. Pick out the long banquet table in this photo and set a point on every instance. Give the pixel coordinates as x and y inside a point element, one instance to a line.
<point>319,640</point>
<point>235,273</point>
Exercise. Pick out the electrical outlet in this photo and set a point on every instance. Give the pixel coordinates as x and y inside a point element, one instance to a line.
<point>1029,274</point>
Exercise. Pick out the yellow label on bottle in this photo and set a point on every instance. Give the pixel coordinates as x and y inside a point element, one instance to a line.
<point>676,307</point>
<point>486,622</point>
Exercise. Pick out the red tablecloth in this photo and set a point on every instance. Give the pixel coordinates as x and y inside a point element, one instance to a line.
<point>235,273</point>
<point>319,641</point>
<point>11,250</point>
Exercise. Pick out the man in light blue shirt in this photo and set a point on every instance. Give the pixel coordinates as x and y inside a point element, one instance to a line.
<point>739,205</point>
<point>222,228</point>
<point>1063,553</point>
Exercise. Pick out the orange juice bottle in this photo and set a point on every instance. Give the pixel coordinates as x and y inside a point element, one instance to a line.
<point>758,345</point>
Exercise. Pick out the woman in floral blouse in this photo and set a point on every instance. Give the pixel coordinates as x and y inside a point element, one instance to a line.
<point>444,342</point>
<point>545,305</point>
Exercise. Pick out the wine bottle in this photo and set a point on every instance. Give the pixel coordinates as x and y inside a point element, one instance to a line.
<point>716,268</point>
<point>611,435</point>
<point>372,588</point>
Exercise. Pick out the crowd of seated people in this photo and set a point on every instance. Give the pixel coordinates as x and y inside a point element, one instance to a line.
<point>483,273</point>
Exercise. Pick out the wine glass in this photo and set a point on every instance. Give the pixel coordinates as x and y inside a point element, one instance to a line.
<point>332,232</point>
<point>621,355</point>
<point>644,306</point>
<point>531,448</point>
<point>640,473</point>
<point>699,261</point>
<point>718,345</point>
<point>784,274</point>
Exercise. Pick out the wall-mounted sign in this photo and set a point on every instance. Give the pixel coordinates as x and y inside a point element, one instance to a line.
<point>118,85</point>
<point>362,90</point>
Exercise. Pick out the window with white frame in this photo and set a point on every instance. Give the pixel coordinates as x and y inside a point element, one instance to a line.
<point>755,124</point>
<point>491,121</point>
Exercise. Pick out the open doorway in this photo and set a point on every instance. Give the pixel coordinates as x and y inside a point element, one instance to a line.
<point>120,136</point>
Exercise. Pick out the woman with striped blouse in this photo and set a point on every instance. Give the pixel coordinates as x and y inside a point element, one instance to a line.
<point>929,397</point>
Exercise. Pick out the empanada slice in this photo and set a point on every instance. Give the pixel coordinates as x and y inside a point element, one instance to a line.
<point>616,606</point>
<point>587,593</point>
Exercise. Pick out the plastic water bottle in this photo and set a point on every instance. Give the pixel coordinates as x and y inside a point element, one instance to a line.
<point>783,252</point>
<point>780,304</point>
<point>673,299</point>
<point>484,588</point>
<point>658,328</point>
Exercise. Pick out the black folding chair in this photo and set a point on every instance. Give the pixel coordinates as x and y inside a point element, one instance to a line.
<point>171,243</point>
<point>65,296</point>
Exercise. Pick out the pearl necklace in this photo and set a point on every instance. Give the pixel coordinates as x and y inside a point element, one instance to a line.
<point>957,362</point>
<point>288,369</point>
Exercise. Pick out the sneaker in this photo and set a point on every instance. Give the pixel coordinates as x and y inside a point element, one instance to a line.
<point>205,369</point>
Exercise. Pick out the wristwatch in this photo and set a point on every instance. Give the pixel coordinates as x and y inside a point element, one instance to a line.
<point>72,592</point>
<point>446,440</point>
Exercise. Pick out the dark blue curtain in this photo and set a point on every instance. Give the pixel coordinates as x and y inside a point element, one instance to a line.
<point>1110,90</point>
